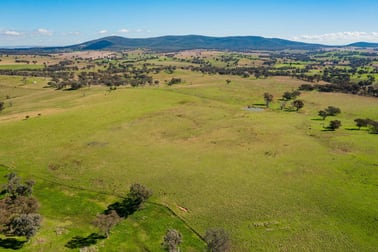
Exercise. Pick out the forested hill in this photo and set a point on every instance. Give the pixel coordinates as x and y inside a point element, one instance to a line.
<point>188,42</point>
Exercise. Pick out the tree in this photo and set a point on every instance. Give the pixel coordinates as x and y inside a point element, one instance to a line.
<point>334,124</point>
<point>286,96</point>
<point>295,94</point>
<point>138,191</point>
<point>373,126</point>
<point>290,95</point>
<point>298,104</point>
<point>15,188</point>
<point>361,122</point>
<point>172,240</point>
<point>323,114</point>
<point>5,215</point>
<point>174,81</point>
<point>332,111</point>
<point>21,205</point>
<point>217,240</point>
<point>25,225</point>
<point>106,221</point>
<point>268,98</point>
<point>283,105</point>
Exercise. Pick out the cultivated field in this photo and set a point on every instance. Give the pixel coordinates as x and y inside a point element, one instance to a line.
<point>274,180</point>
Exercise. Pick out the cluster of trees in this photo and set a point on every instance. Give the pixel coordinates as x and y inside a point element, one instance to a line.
<point>329,111</point>
<point>18,209</point>
<point>287,96</point>
<point>370,124</point>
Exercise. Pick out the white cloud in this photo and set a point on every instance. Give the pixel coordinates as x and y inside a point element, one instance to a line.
<point>75,33</point>
<point>44,32</point>
<point>139,30</point>
<point>11,33</point>
<point>339,37</point>
<point>123,30</point>
<point>103,32</point>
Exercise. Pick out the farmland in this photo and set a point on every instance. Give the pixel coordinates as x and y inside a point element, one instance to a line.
<point>275,179</point>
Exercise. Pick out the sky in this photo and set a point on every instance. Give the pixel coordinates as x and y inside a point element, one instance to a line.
<point>67,22</point>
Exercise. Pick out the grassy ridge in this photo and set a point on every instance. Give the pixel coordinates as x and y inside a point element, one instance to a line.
<point>273,179</point>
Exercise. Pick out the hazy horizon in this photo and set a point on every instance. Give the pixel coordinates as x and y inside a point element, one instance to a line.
<point>62,23</point>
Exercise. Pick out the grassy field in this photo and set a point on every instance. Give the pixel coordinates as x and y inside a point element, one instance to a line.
<point>273,179</point>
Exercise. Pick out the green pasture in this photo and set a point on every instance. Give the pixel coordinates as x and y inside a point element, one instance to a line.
<point>275,180</point>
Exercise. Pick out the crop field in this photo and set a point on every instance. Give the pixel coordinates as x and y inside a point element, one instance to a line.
<point>274,179</point>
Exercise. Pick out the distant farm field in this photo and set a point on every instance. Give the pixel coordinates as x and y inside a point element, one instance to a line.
<point>20,67</point>
<point>273,179</point>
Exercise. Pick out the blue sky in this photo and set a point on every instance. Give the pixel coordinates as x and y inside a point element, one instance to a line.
<point>65,22</point>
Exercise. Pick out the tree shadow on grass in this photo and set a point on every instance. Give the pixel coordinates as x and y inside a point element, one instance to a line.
<point>356,128</point>
<point>80,242</point>
<point>11,243</point>
<point>317,119</point>
<point>259,105</point>
<point>327,129</point>
<point>125,208</point>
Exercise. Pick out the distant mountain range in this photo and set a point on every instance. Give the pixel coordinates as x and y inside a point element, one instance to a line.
<point>188,42</point>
